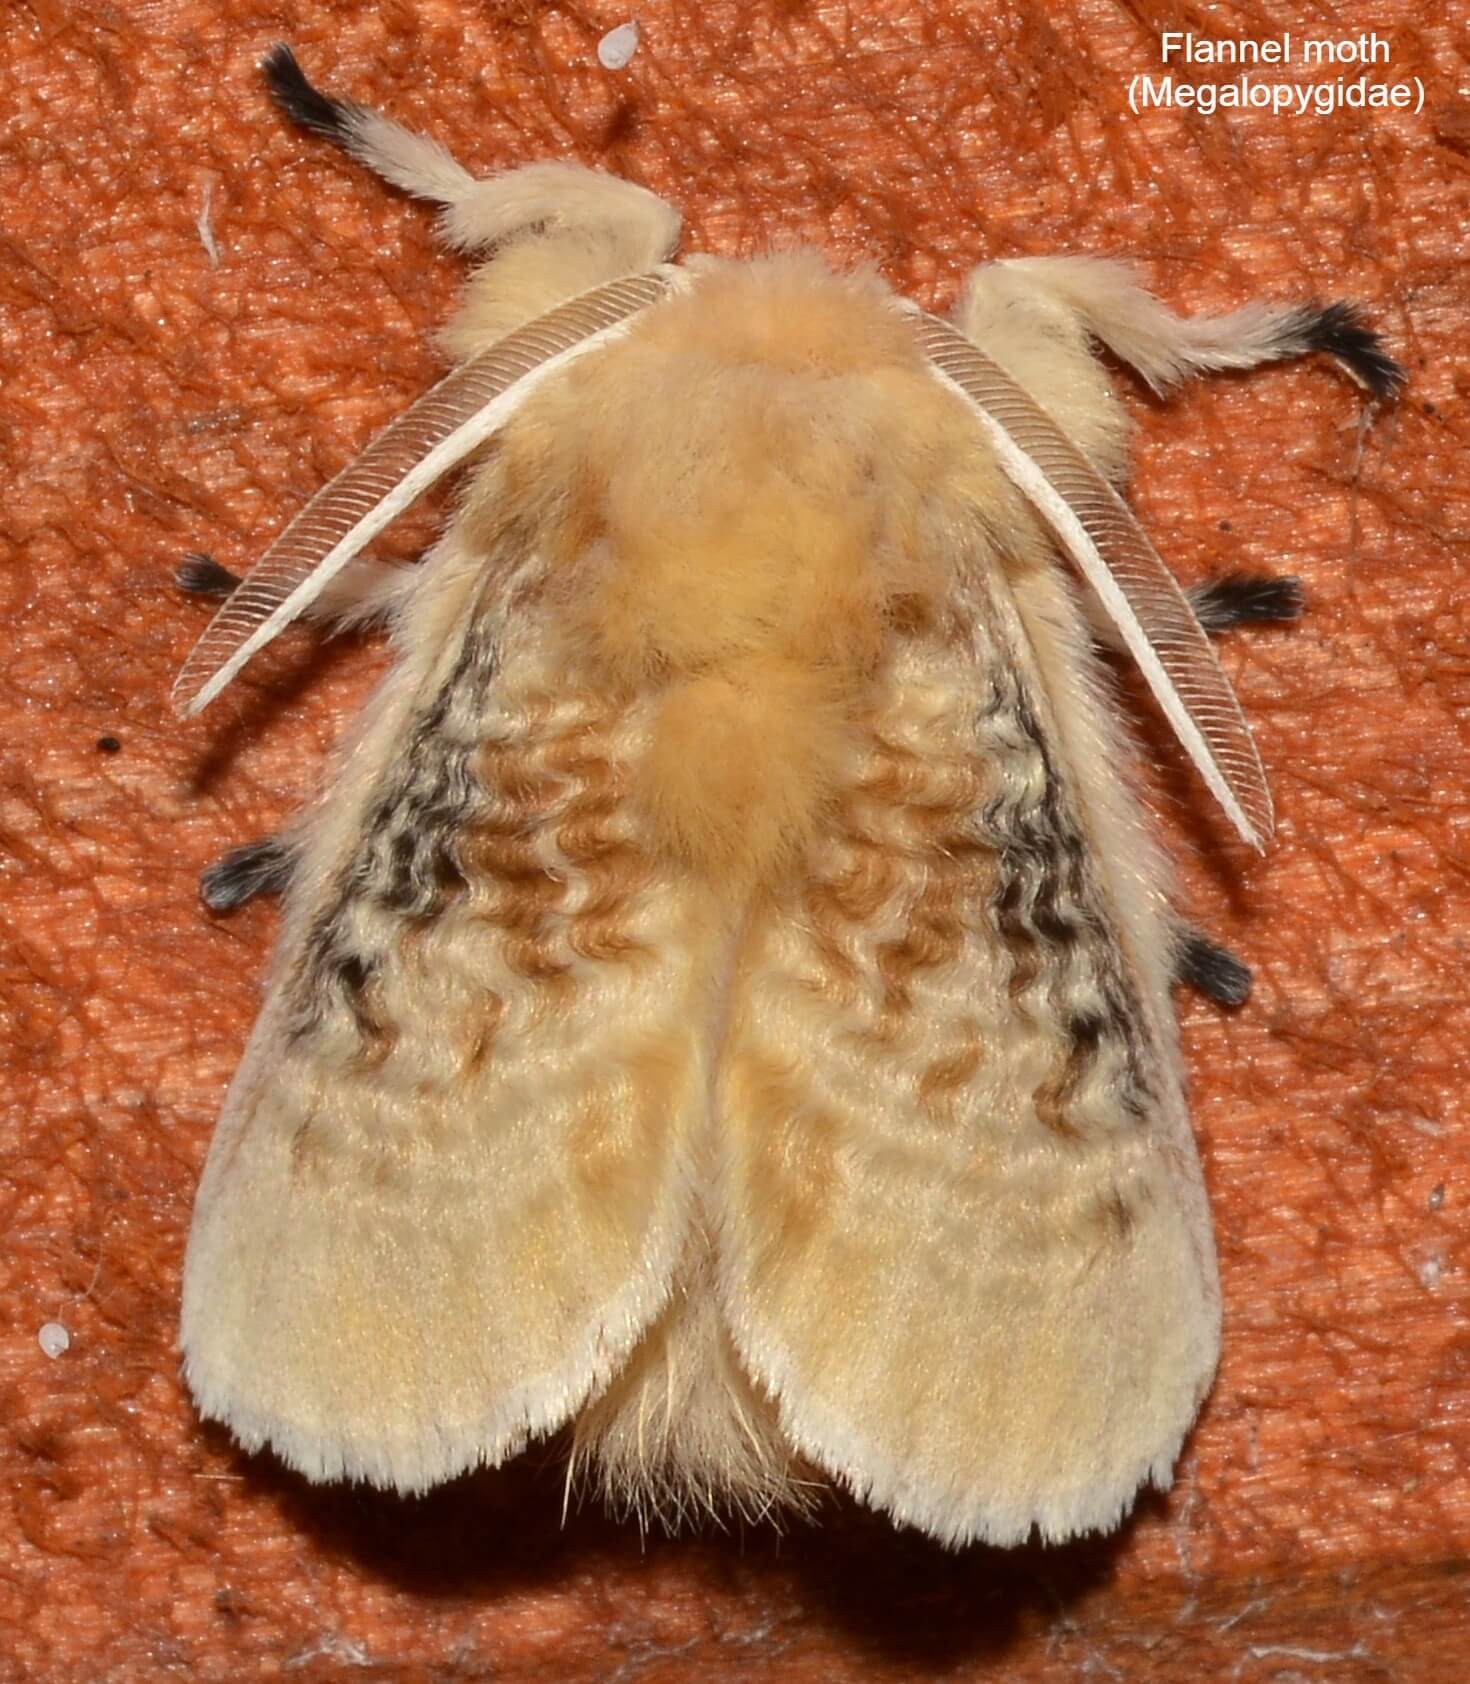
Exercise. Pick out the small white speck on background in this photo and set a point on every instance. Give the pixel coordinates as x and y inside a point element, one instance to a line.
<point>204,222</point>
<point>615,50</point>
<point>53,1339</point>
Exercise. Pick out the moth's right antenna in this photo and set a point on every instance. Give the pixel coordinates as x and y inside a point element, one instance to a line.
<point>1111,550</point>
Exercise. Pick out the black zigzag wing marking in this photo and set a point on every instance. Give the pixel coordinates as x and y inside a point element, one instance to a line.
<point>1051,913</point>
<point>405,863</point>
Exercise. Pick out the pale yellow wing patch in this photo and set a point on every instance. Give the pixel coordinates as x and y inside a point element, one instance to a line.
<point>965,1243</point>
<point>449,1189</point>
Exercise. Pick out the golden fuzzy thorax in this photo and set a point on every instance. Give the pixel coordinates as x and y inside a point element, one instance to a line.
<point>723,1007</point>
<point>738,504</point>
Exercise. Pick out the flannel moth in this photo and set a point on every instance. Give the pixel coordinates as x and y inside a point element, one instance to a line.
<point>723,1002</point>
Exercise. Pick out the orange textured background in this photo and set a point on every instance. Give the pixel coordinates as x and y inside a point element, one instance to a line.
<point>155,399</point>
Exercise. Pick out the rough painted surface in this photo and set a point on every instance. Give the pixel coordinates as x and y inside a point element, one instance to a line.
<point>202,315</point>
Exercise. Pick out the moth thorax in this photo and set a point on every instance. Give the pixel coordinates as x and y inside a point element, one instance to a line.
<point>741,763</point>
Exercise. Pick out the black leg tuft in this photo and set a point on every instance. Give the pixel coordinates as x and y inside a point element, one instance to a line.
<point>1247,599</point>
<point>1340,331</point>
<point>259,868</point>
<point>1213,970</point>
<point>303,103</point>
<point>202,575</point>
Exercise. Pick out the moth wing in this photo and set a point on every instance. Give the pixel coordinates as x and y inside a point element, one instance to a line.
<point>447,1190</point>
<point>965,1242</point>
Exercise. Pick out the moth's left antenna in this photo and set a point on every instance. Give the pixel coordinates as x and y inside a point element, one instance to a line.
<point>449,422</point>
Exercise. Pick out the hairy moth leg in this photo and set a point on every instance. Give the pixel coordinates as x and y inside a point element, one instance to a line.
<point>1213,970</point>
<point>558,229</point>
<point>263,867</point>
<point>361,592</point>
<point>1246,599</point>
<point>201,575</point>
<point>1225,603</point>
<point>413,162</point>
<point>1234,599</point>
<point>1106,299</point>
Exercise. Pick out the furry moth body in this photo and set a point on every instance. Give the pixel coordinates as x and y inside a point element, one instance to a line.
<point>723,1005</point>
